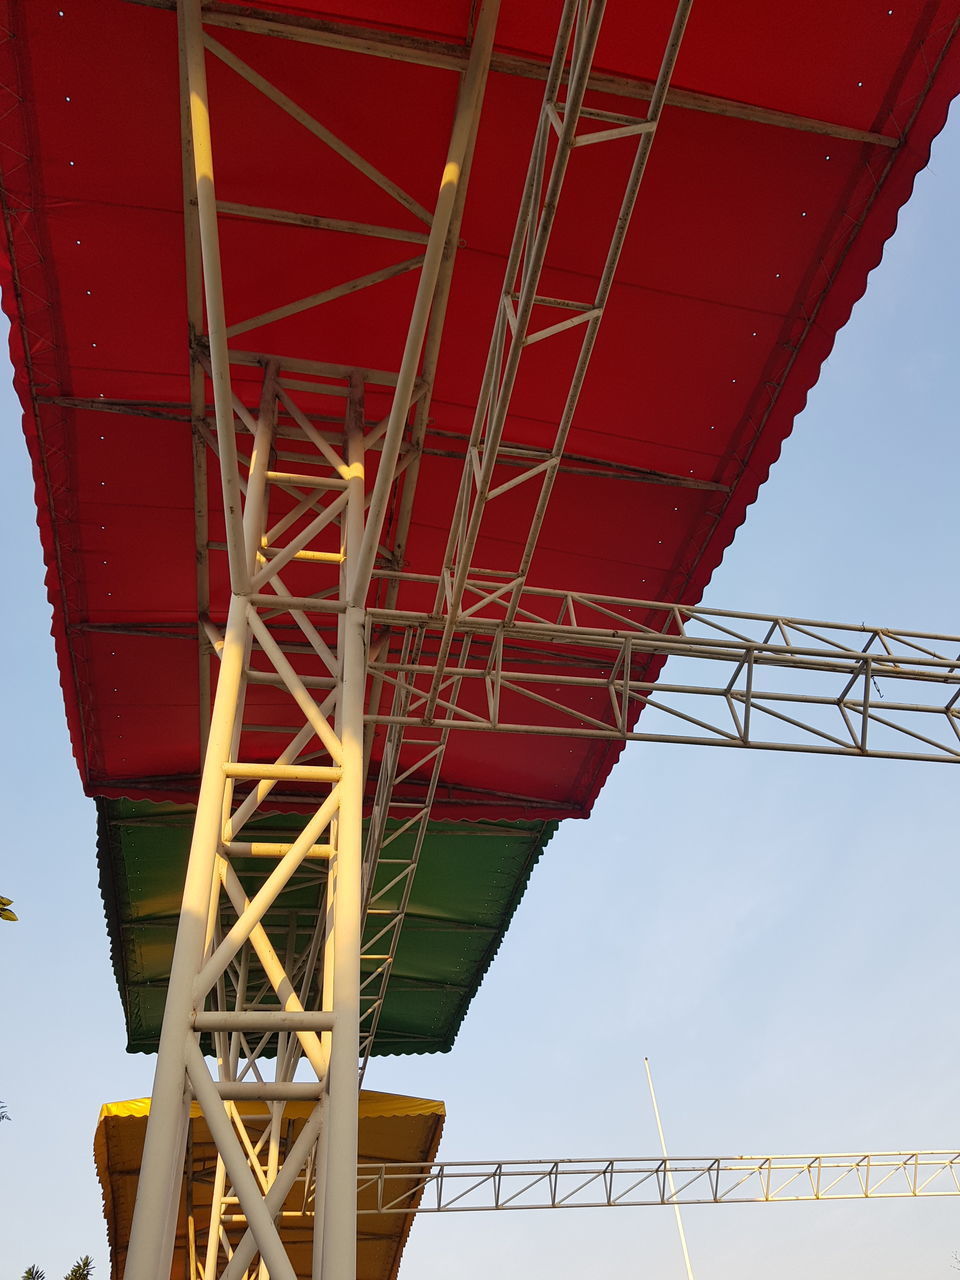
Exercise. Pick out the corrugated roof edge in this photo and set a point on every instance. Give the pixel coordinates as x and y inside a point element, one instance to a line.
<point>548,831</point>
<point>18,203</point>
<point>849,285</point>
<point>372,1105</point>
<point>862,257</point>
<point>109,864</point>
<point>109,867</point>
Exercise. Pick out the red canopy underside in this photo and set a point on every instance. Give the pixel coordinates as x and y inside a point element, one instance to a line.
<point>748,249</point>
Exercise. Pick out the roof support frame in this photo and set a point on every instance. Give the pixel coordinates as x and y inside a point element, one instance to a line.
<point>519,457</point>
<point>512,328</point>
<point>570,69</point>
<point>449,56</point>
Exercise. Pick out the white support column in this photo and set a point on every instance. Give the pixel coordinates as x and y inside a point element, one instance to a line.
<point>339,1242</point>
<point>194,76</point>
<point>340,1209</point>
<point>162,1152</point>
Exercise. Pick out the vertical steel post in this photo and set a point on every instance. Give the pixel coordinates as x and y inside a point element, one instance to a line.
<point>216,1209</point>
<point>175,1190</point>
<point>462,137</point>
<point>339,1242</point>
<point>193,70</point>
<point>164,1146</point>
<point>162,1151</point>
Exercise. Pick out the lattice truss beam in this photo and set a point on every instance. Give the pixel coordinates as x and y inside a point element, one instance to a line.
<point>582,666</point>
<point>500,1185</point>
<point>285,945</point>
<point>386,1192</point>
<point>461,1187</point>
<point>266,970</point>
<point>267,964</point>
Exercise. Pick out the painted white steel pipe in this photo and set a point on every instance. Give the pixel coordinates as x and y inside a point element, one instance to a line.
<point>244,1183</point>
<point>265,1020</point>
<point>216,1212</point>
<point>341,965</point>
<point>194,69</point>
<point>282,772</point>
<point>320,1192</point>
<point>670,1180</point>
<point>273,1162</point>
<point>464,125</point>
<point>339,1248</point>
<point>161,1154</point>
<point>255,506</point>
<point>176,1187</point>
<point>289,1172</point>
<point>281,600</point>
<point>268,849</point>
<point>268,1091</point>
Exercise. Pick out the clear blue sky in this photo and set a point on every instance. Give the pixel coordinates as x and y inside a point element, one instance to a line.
<point>778,934</point>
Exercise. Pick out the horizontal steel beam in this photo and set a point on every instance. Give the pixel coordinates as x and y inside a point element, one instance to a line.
<point>445,444</point>
<point>445,55</point>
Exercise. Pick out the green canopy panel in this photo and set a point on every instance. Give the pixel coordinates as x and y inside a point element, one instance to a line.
<point>469,880</point>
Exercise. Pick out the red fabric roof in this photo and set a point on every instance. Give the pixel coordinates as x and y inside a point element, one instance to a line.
<point>749,247</point>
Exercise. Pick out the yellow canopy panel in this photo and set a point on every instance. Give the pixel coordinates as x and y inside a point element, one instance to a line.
<point>392,1129</point>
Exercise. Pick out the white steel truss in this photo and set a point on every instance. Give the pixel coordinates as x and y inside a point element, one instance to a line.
<point>462,1186</point>
<point>482,1186</point>
<point>526,317</point>
<point>388,1193</point>
<point>255,978</point>
<point>583,666</point>
<point>749,680</point>
<point>285,948</point>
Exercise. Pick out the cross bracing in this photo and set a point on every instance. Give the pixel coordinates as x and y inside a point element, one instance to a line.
<point>751,680</point>
<point>390,1190</point>
<point>462,1186</point>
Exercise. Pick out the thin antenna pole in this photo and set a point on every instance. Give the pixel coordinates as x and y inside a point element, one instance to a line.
<point>673,1189</point>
